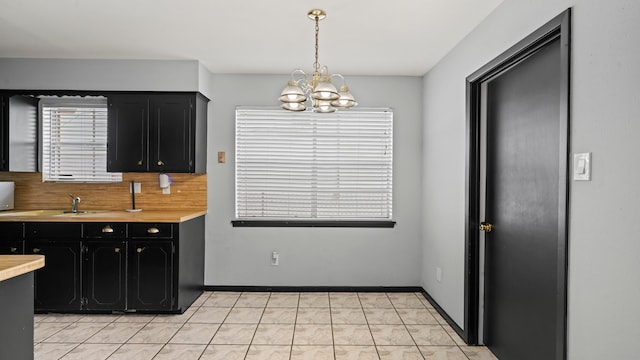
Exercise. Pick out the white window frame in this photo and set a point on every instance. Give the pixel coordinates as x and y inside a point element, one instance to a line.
<point>314,167</point>
<point>78,152</point>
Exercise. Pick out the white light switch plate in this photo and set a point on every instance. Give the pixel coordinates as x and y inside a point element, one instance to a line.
<point>582,166</point>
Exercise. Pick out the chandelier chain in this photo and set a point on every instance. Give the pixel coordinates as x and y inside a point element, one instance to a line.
<point>316,65</point>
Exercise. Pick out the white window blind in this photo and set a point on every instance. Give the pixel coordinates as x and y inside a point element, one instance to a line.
<point>74,140</point>
<point>306,165</point>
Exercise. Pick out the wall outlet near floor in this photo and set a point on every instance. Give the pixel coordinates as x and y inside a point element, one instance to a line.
<point>275,259</point>
<point>438,274</point>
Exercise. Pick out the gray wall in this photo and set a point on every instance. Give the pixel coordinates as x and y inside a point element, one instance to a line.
<point>75,74</point>
<point>314,256</point>
<point>604,266</point>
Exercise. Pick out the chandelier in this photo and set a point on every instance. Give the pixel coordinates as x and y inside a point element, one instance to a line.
<point>318,87</point>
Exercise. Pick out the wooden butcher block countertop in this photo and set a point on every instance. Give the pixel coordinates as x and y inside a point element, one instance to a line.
<point>153,216</point>
<point>16,265</point>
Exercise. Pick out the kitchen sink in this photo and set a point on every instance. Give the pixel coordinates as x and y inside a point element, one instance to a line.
<point>51,213</point>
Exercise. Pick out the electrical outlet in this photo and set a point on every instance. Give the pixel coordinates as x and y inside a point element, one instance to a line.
<point>275,259</point>
<point>137,187</point>
<point>439,274</point>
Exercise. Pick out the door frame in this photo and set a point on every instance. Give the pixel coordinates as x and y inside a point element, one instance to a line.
<point>557,28</point>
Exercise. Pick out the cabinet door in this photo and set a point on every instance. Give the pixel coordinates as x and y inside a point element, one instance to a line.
<point>105,268</point>
<point>151,275</point>
<point>171,133</point>
<point>127,145</point>
<point>11,247</point>
<point>57,285</point>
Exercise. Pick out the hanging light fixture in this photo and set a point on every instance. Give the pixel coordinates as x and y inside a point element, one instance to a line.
<point>318,87</point>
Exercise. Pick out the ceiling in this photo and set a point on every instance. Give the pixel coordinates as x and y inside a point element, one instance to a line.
<point>358,37</point>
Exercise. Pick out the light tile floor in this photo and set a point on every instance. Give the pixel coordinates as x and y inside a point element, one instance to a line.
<point>257,325</point>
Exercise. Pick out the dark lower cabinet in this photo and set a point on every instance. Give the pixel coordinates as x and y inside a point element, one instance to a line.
<point>57,285</point>
<point>11,247</point>
<point>11,242</point>
<point>151,275</point>
<point>113,267</point>
<point>105,273</point>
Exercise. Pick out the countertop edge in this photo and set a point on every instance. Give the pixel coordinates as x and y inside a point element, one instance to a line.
<point>15,265</point>
<point>152,216</point>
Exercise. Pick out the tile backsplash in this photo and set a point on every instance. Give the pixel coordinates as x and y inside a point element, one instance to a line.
<point>188,192</point>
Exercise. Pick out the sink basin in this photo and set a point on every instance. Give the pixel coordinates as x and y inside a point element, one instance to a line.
<point>51,213</point>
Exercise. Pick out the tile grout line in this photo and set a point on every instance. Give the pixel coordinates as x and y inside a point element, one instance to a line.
<point>405,325</point>
<point>375,346</point>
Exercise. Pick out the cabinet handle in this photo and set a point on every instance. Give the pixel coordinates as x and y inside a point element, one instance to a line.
<point>139,250</point>
<point>107,229</point>
<point>117,250</point>
<point>36,250</point>
<point>139,162</point>
<point>13,250</point>
<point>152,230</point>
<point>160,163</point>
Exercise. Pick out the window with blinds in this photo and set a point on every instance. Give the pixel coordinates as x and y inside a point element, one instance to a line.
<point>305,165</point>
<point>74,140</point>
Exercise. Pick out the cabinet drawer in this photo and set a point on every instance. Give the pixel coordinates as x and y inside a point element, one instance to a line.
<point>150,231</point>
<point>52,230</point>
<point>11,230</point>
<point>104,230</point>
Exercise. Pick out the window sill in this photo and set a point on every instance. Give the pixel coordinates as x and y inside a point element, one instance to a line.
<point>315,223</point>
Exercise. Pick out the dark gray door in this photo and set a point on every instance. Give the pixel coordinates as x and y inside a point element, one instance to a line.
<point>524,148</point>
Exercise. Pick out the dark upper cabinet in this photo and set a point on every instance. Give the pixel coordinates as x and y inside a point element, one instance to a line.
<point>18,133</point>
<point>127,140</point>
<point>160,132</point>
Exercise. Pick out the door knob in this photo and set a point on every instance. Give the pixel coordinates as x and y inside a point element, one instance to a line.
<point>160,163</point>
<point>486,227</point>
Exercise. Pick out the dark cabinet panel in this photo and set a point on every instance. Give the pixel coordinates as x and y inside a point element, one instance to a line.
<point>104,231</point>
<point>151,231</point>
<point>11,247</point>
<point>127,144</point>
<point>151,274</point>
<point>157,133</point>
<point>11,231</point>
<point>105,271</point>
<point>57,285</point>
<point>171,134</point>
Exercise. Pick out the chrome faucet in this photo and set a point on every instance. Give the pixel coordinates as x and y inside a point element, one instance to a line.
<point>74,203</point>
